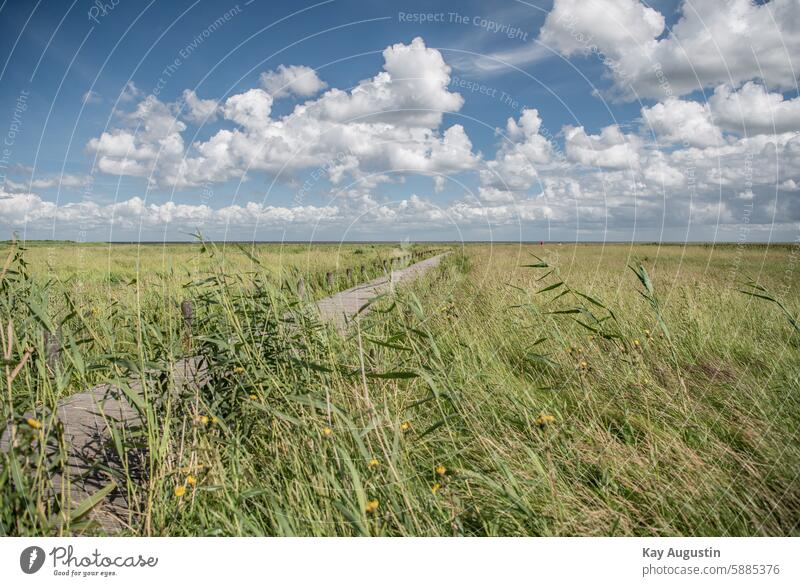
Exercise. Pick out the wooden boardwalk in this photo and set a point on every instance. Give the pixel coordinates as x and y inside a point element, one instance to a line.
<point>340,308</point>
<point>86,416</point>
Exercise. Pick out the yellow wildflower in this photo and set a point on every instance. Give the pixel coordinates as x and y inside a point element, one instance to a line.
<point>373,463</point>
<point>405,426</point>
<point>327,430</point>
<point>544,420</point>
<point>372,506</point>
<point>435,488</point>
<point>238,370</point>
<point>34,423</point>
<point>214,420</point>
<point>203,420</point>
<point>254,397</point>
<point>180,491</point>
<point>636,342</point>
<point>440,470</point>
<point>191,480</point>
<point>583,364</point>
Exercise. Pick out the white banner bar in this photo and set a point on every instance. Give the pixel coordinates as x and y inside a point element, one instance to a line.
<point>387,561</point>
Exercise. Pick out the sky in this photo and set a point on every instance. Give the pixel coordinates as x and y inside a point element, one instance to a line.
<point>572,120</point>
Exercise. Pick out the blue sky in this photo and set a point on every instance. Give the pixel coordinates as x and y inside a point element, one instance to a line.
<point>592,120</point>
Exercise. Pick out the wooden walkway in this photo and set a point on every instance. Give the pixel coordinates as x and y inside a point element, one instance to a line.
<point>86,416</point>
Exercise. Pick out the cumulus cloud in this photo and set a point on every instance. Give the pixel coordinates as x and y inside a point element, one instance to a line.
<point>683,161</point>
<point>611,149</point>
<point>28,209</point>
<point>389,122</point>
<point>522,149</point>
<point>298,80</point>
<point>709,45</point>
<point>613,26</point>
<point>153,136</point>
<point>197,110</point>
<point>754,110</point>
<point>682,122</point>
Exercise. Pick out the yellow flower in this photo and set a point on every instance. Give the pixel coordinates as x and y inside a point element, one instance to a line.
<point>214,420</point>
<point>180,491</point>
<point>636,342</point>
<point>435,488</point>
<point>203,420</point>
<point>405,426</point>
<point>440,470</point>
<point>191,480</point>
<point>372,506</point>
<point>569,350</point>
<point>254,397</point>
<point>238,370</point>
<point>327,430</point>
<point>544,420</point>
<point>373,463</point>
<point>34,423</point>
<point>647,333</point>
<point>583,365</point>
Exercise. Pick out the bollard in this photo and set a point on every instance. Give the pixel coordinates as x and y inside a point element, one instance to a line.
<point>301,288</point>
<point>329,279</point>
<point>349,275</point>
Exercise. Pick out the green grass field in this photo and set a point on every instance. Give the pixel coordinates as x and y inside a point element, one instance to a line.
<point>513,390</point>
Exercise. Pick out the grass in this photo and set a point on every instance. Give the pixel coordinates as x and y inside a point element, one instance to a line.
<point>514,390</point>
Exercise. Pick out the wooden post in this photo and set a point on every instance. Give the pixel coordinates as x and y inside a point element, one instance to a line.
<point>385,266</point>
<point>52,349</point>
<point>349,275</point>
<point>363,271</point>
<point>329,279</point>
<point>301,288</point>
<point>187,311</point>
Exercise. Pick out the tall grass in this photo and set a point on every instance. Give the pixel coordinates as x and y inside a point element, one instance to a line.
<point>490,398</point>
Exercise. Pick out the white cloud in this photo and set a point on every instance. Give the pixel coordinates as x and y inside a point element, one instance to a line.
<point>681,122</point>
<point>65,181</point>
<point>679,163</point>
<point>28,209</point>
<point>611,149</point>
<point>411,91</point>
<point>299,80</point>
<point>197,110</point>
<point>250,109</point>
<point>521,150</point>
<point>153,137</point>
<point>753,110</point>
<point>612,26</point>
<point>710,44</point>
<point>387,123</point>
